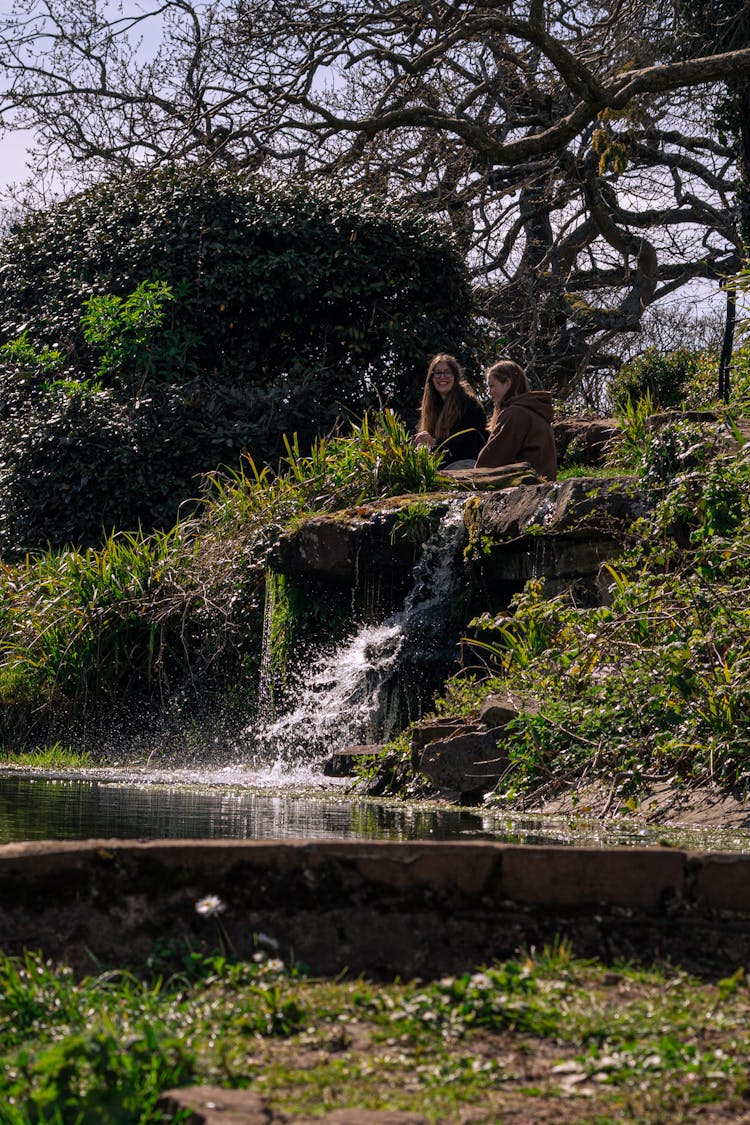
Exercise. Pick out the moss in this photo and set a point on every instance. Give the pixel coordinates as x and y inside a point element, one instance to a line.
<point>474,548</point>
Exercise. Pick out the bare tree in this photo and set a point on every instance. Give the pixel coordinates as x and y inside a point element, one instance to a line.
<point>569,146</point>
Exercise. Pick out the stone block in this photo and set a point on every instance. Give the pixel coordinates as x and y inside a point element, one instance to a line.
<point>498,710</point>
<point>468,868</point>
<point>465,762</point>
<point>432,731</point>
<point>213,1105</point>
<point>343,762</point>
<point>722,882</point>
<point>646,878</point>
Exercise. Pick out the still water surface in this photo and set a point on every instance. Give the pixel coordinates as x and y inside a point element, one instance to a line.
<point>236,805</point>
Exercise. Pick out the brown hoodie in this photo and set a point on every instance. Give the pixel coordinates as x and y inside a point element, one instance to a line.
<point>523,433</point>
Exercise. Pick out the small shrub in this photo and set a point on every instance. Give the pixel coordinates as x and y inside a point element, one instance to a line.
<point>673,449</point>
<point>662,376</point>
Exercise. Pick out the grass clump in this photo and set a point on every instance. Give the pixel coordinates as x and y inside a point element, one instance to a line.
<point>641,1045</point>
<point>56,756</point>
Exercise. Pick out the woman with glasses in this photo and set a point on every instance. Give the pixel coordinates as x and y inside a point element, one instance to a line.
<point>451,418</point>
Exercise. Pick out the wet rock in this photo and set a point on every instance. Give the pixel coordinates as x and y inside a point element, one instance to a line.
<point>465,763</point>
<point>516,528</point>
<point>578,508</point>
<point>343,762</point>
<point>346,546</point>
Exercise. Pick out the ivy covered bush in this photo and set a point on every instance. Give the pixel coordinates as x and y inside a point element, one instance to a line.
<point>664,376</point>
<point>154,330</point>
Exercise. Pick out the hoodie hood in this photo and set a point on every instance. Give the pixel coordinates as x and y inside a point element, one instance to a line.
<point>523,432</point>
<point>539,402</point>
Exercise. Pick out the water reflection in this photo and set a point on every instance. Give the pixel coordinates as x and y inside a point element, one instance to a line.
<point>238,805</point>
<point>34,808</point>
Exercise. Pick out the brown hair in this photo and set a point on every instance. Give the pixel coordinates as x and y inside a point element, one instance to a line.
<point>439,416</point>
<point>508,372</point>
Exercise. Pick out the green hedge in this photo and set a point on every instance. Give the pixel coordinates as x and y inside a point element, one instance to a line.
<point>286,311</point>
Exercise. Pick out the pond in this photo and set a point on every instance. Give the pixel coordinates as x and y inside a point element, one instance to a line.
<point>238,804</point>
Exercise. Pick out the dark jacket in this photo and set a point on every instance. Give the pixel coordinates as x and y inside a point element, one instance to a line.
<point>523,433</point>
<point>465,446</point>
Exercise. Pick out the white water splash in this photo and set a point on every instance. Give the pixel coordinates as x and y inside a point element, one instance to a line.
<point>349,694</point>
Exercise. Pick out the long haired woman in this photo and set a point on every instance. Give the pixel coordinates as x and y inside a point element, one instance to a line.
<point>451,417</point>
<point>521,423</point>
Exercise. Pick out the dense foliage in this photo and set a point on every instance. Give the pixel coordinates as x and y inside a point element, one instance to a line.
<point>664,377</point>
<point>154,329</point>
<point>655,683</point>
<point>146,616</point>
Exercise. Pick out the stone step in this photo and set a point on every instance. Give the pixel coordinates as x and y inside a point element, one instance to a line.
<point>213,1105</point>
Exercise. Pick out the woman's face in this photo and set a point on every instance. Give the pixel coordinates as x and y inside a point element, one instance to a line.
<point>498,388</point>
<point>443,378</point>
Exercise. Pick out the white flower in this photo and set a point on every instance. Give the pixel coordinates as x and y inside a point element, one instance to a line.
<point>210,906</point>
<point>267,941</point>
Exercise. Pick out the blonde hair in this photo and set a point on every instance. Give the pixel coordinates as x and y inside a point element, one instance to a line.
<point>439,416</point>
<point>507,372</point>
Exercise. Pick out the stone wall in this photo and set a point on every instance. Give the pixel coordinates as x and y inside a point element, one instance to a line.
<point>562,532</point>
<point>379,908</point>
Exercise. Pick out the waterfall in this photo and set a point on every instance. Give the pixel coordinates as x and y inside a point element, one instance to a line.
<point>350,694</point>
<point>265,694</point>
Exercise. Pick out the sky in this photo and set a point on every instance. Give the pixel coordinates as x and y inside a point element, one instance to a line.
<point>13,157</point>
<point>14,145</point>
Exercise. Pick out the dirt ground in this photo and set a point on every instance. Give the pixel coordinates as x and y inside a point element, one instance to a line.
<point>539,1083</point>
<point>666,803</point>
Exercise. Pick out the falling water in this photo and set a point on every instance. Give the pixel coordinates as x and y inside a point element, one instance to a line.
<point>539,560</point>
<point>265,694</point>
<point>350,694</point>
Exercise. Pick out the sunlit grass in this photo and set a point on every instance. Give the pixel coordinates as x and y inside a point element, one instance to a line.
<point>56,756</point>
<point>530,1031</point>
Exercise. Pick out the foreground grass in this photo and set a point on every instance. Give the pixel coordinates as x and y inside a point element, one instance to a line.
<point>567,1040</point>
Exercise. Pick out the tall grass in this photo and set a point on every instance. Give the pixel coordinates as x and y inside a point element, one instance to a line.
<point>76,622</point>
<point>378,458</point>
<point>149,614</point>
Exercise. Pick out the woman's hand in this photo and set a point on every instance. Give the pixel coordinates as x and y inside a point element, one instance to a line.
<point>423,438</point>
